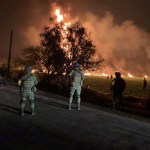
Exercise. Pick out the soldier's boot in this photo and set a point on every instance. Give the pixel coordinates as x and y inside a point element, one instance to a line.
<point>78,99</point>
<point>32,108</point>
<point>69,106</point>
<point>22,107</point>
<point>78,106</point>
<point>33,112</point>
<point>70,102</point>
<point>22,112</point>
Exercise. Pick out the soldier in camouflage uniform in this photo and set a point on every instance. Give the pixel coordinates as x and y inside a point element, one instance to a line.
<point>27,85</point>
<point>76,77</point>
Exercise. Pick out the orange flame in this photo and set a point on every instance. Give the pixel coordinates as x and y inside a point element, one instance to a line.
<point>64,33</point>
<point>60,17</point>
<point>96,74</point>
<point>87,74</point>
<point>104,74</point>
<point>129,75</point>
<point>33,71</point>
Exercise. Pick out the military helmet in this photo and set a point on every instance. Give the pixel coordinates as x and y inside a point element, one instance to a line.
<point>28,68</point>
<point>77,65</point>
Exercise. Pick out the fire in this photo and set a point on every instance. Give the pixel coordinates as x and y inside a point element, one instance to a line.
<point>104,74</point>
<point>67,24</point>
<point>60,17</point>
<point>64,33</point>
<point>96,74</point>
<point>129,75</point>
<point>87,74</point>
<point>33,71</point>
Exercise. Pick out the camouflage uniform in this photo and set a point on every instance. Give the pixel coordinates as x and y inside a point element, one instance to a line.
<point>28,82</point>
<point>77,78</point>
<point>117,87</point>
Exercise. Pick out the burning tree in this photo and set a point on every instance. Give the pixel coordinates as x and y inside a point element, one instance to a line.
<point>63,44</point>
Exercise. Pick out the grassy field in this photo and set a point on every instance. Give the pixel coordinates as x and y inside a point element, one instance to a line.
<point>133,88</point>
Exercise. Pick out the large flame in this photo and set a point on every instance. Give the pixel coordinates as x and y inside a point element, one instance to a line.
<point>60,17</point>
<point>96,74</point>
<point>64,32</point>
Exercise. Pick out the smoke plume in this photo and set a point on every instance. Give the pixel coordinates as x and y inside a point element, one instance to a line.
<point>125,46</point>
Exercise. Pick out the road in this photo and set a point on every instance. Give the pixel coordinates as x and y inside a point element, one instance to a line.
<point>55,127</point>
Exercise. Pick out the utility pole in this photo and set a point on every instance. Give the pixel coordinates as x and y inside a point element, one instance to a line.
<point>9,56</point>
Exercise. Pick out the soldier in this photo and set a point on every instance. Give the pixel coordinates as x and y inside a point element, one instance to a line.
<point>117,87</point>
<point>76,77</point>
<point>28,83</point>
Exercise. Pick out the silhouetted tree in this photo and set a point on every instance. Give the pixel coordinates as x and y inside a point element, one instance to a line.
<point>60,48</point>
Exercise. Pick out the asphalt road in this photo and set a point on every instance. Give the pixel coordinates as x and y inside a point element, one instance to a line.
<point>55,127</point>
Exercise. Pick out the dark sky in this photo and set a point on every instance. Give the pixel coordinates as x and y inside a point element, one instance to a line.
<point>136,10</point>
<point>27,17</point>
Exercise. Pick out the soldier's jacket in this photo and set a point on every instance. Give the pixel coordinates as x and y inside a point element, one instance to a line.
<point>118,85</point>
<point>28,82</point>
<point>76,77</point>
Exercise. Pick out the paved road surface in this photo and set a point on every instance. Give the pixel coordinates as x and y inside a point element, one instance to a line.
<point>55,127</point>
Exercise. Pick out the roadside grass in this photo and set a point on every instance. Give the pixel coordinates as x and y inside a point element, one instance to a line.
<point>136,100</point>
<point>133,86</point>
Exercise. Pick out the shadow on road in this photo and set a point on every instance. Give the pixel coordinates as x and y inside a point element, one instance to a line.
<point>56,104</point>
<point>11,109</point>
<point>52,103</point>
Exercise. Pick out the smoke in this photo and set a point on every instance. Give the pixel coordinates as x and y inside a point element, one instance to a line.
<point>26,19</point>
<point>125,46</point>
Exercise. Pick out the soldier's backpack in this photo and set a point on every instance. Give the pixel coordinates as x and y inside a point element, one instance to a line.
<point>28,84</point>
<point>76,78</point>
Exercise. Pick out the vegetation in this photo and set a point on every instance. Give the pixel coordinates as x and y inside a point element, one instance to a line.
<point>60,48</point>
<point>133,88</point>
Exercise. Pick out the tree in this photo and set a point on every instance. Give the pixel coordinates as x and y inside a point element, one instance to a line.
<point>61,47</point>
<point>33,56</point>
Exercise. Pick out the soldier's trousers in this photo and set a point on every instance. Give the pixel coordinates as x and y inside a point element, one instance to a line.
<point>74,89</point>
<point>24,96</point>
<point>117,98</point>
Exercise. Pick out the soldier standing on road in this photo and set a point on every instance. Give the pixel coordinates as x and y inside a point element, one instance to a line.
<point>28,83</point>
<point>76,77</point>
<point>117,87</point>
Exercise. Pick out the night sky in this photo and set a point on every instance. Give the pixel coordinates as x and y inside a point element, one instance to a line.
<point>121,27</point>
